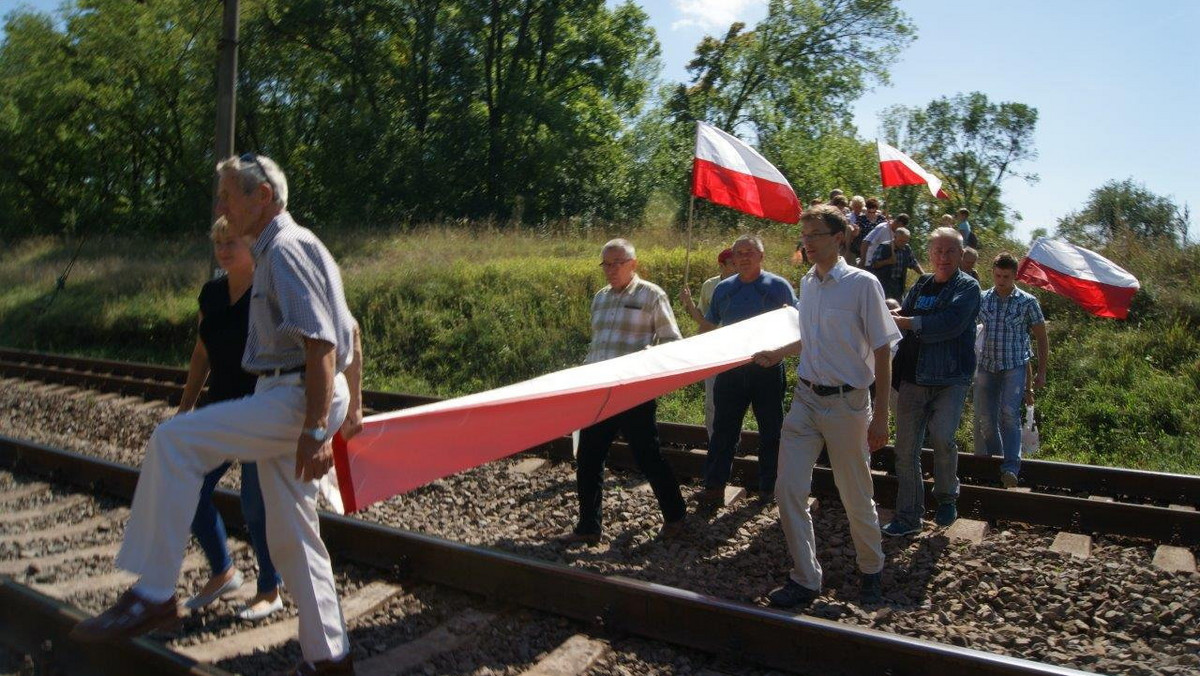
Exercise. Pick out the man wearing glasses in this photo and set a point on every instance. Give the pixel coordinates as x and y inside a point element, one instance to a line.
<point>304,346</point>
<point>627,315</point>
<point>751,292</point>
<point>846,338</point>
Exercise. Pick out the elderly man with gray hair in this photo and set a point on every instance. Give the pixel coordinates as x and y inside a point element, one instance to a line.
<point>304,347</point>
<point>932,370</point>
<point>629,314</point>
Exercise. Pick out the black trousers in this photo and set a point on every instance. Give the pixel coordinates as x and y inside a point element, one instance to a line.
<point>735,390</point>
<point>640,430</point>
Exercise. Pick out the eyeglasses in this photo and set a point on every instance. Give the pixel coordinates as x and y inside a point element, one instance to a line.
<point>615,264</point>
<point>252,157</point>
<point>814,235</point>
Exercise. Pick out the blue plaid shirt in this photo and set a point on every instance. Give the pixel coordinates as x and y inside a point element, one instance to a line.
<point>1006,326</point>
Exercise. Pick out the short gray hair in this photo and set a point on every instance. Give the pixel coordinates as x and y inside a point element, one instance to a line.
<point>622,244</point>
<point>753,239</point>
<point>253,170</point>
<point>946,233</point>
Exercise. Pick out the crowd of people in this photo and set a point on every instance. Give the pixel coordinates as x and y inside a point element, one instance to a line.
<point>282,357</point>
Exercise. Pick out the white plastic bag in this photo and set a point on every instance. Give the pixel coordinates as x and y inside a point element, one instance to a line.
<point>1030,439</point>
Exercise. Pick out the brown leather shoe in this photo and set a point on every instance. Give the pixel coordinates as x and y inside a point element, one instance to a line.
<point>130,616</point>
<point>342,667</point>
<point>579,538</point>
<point>712,497</point>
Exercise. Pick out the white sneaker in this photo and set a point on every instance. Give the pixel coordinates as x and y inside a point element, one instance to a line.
<point>257,612</point>
<point>201,600</point>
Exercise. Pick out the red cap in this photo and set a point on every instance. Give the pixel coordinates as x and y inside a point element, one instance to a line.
<point>724,255</point>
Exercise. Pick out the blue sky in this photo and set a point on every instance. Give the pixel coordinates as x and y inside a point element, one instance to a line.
<point>1115,83</point>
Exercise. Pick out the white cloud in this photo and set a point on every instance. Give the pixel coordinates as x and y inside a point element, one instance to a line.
<point>713,14</point>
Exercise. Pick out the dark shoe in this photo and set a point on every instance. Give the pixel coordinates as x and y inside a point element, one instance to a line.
<point>871,590</point>
<point>1008,479</point>
<point>896,529</point>
<point>579,538</point>
<point>130,616</point>
<point>947,513</point>
<point>343,667</point>
<point>672,529</point>
<point>766,497</point>
<point>711,497</point>
<point>792,594</point>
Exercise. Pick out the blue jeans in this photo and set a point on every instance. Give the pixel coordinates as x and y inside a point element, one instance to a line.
<point>734,391</point>
<point>938,409</point>
<point>998,399</point>
<point>209,528</point>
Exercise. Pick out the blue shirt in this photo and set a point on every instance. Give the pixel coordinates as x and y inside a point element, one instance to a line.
<point>1006,326</point>
<point>734,300</point>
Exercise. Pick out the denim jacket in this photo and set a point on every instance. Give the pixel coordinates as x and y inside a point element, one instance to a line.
<point>946,335</point>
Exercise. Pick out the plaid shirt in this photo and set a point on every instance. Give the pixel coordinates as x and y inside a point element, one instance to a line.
<point>905,261</point>
<point>297,294</point>
<point>1006,326</point>
<point>628,320</point>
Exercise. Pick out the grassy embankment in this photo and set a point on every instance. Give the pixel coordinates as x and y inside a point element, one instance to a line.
<point>449,312</point>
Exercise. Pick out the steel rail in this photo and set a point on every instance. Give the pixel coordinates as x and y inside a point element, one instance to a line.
<point>741,631</point>
<point>149,380</point>
<point>37,625</point>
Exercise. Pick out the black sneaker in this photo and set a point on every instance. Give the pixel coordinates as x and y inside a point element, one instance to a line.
<point>871,590</point>
<point>897,529</point>
<point>792,594</point>
<point>947,513</point>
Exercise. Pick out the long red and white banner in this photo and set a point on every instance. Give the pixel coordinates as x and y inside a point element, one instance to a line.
<point>1097,284</point>
<point>897,169</point>
<point>730,173</point>
<point>399,451</point>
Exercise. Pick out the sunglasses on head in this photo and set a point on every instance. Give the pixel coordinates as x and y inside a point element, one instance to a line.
<point>253,157</point>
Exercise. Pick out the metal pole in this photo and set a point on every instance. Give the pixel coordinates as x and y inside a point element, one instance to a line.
<point>687,255</point>
<point>226,95</point>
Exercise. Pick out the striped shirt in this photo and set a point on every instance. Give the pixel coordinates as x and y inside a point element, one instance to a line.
<point>628,320</point>
<point>297,294</point>
<point>1006,326</point>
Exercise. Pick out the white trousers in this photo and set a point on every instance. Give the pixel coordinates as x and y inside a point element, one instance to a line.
<point>839,422</point>
<point>261,428</point>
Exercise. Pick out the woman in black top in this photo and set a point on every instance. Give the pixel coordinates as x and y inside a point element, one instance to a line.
<point>217,357</point>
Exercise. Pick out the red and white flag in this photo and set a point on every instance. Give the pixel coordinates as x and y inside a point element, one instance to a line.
<point>402,450</point>
<point>730,173</point>
<point>1097,284</point>
<point>897,169</point>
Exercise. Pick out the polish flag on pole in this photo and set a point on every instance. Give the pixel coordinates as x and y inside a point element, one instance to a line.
<point>897,169</point>
<point>1097,284</point>
<point>730,173</point>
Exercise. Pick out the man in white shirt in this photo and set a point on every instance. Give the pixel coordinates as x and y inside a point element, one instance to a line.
<point>845,346</point>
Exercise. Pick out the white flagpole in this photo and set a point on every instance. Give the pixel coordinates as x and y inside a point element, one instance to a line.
<point>687,254</point>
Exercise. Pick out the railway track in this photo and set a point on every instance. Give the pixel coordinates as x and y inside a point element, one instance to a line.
<point>410,599</point>
<point>1077,499</point>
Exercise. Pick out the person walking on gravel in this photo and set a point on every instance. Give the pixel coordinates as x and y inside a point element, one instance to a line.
<point>1009,315</point>
<point>932,371</point>
<point>217,359</point>
<point>846,343</point>
<point>751,292</point>
<point>303,345</point>
<point>628,315</point>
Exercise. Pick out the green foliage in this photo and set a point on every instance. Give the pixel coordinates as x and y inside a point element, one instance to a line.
<point>973,144</point>
<point>1125,209</point>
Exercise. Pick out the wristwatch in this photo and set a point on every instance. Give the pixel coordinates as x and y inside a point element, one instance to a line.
<point>317,433</point>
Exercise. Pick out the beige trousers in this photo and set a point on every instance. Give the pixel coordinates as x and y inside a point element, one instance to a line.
<point>261,428</point>
<point>839,422</point>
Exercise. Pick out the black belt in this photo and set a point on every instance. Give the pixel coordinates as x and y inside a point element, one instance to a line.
<point>825,390</point>
<point>284,370</point>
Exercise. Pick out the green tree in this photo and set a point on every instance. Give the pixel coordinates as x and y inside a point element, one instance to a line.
<point>973,144</point>
<point>1125,208</point>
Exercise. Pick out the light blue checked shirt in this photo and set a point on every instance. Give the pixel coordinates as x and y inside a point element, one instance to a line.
<point>1006,326</point>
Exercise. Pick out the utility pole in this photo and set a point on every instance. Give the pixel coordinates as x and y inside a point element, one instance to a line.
<point>227,48</point>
